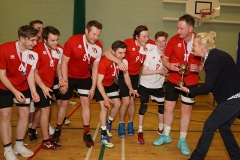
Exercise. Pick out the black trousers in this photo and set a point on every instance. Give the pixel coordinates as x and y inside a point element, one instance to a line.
<point>221,118</point>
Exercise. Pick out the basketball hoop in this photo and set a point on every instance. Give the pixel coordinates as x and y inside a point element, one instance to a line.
<point>206,11</point>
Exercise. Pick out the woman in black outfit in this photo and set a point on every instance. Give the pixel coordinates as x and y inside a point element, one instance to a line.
<point>223,80</point>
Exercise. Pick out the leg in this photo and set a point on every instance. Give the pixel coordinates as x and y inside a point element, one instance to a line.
<point>224,113</point>
<point>5,125</point>
<point>131,112</point>
<point>122,113</point>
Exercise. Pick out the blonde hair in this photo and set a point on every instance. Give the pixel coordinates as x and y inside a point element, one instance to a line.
<point>207,39</point>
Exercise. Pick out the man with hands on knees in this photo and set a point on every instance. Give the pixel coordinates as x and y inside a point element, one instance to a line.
<point>107,91</point>
<point>179,52</point>
<point>17,84</point>
<point>218,65</point>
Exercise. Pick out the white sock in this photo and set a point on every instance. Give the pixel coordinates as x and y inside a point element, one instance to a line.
<point>160,126</point>
<point>183,134</point>
<point>167,129</point>
<point>140,128</point>
<point>110,118</point>
<point>19,143</point>
<point>8,148</point>
<point>103,128</point>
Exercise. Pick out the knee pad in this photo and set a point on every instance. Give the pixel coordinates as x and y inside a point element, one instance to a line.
<point>143,108</point>
<point>32,108</point>
<point>161,108</point>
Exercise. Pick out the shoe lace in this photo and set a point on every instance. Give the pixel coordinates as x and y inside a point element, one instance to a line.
<point>8,153</point>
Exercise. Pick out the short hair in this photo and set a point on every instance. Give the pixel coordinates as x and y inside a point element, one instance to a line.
<point>94,23</point>
<point>207,39</point>
<point>35,22</point>
<point>27,31</point>
<point>49,29</point>
<point>118,44</point>
<point>138,30</point>
<point>161,34</point>
<point>188,19</point>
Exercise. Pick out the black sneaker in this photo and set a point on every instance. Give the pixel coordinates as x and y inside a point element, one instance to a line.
<point>56,135</point>
<point>88,140</point>
<point>32,134</point>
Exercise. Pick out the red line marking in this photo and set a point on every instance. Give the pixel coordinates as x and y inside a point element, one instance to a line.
<point>39,148</point>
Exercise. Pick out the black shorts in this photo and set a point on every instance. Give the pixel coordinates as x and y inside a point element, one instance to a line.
<point>43,103</point>
<point>56,91</point>
<point>172,94</point>
<point>111,91</point>
<point>124,91</point>
<point>7,99</point>
<point>81,85</point>
<point>157,94</point>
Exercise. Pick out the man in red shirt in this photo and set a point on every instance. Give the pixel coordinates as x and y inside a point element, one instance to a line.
<point>81,51</point>
<point>137,48</point>
<point>17,84</point>
<point>177,52</point>
<point>107,92</point>
<point>49,61</point>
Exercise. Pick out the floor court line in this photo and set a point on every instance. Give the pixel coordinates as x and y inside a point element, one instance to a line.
<point>39,148</point>
<point>94,138</point>
<point>123,149</point>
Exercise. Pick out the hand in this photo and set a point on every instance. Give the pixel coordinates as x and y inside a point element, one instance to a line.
<point>194,68</point>
<point>63,89</point>
<point>163,71</point>
<point>91,93</point>
<point>122,66</point>
<point>133,93</point>
<point>174,67</point>
<point>62,83</point>
<point>107,103</point>
<point>184,89</point>
<point>35,97</point>
<point>46,92</point>
<point>20,97</point>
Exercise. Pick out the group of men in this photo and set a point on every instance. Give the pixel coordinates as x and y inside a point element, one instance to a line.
<point>51,67</point>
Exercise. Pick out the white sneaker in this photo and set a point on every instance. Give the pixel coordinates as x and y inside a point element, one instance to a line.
<point>67,121</point>
<point>72,103</point>
<point>50,129</point>
<point>9,155</point>
<point>21,149</point>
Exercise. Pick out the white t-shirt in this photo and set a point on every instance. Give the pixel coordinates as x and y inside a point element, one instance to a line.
<point>154,62</point>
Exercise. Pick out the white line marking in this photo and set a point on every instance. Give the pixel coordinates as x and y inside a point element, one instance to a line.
<point>94,137</point>
<point>123,148</point>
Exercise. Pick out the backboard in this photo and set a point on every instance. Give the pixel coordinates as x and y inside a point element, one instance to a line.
<point>209,8</point>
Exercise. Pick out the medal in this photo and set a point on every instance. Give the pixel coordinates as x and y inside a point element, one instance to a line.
<point>24,73</point>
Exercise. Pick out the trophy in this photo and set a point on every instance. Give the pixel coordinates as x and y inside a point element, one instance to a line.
<point>183,71</point>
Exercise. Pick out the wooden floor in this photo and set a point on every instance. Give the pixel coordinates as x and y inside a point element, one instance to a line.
<point>127,148</point>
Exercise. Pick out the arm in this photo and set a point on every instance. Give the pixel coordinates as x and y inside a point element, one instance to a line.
<point>32,86</point>
<point>63,82</point>
<point>44,88</point>
<point>129,84</point>
<point>111,57</point>
<point>94,79</point>
<point>170,66</point>
<point>5,81</point>
<point>107,101</point>
<point>146,71</point>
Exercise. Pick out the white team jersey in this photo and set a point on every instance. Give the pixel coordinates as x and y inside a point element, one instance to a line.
<point>153,62</point>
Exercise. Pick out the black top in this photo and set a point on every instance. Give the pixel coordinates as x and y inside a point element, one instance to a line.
<point>222,76</point>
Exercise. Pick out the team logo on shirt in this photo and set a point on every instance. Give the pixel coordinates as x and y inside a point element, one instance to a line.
<point>79,46</point>
<point>44,52</point>
<point>153,57</point>
<point>94,50</point>
<point>179,44</point>
<point>12,57</point>
<point>157,66</point>
<point>133,49</point>
<point>30,56</point>
<point>145,48</point>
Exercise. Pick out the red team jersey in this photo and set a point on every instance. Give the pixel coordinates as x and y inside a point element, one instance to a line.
<point>10,61</point>
<point>175,50</point>
<point>109,69</point>
<point>136,55</point>
<point>45,71</point>
<point>82,55</point>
